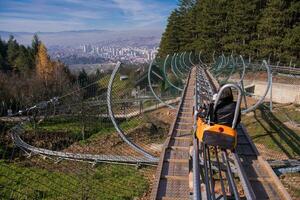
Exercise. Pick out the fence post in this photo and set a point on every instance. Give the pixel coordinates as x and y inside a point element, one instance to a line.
<point>271,89</point>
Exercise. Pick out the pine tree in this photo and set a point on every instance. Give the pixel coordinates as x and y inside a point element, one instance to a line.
<point>83,78</point>
<point>186,25</point>
<point>258,28</point>
<point>3,49</point>
<point>271,29</point>
<point>291,41</point>
<point>211,25</point>
<point>170,38</point>
<point>23,62</point>
<point>2,65</point>
<point>35,44</point>
<point>291,46</point>
<point>242,17</point>
<point>293,14</point>
<point>12,51</point>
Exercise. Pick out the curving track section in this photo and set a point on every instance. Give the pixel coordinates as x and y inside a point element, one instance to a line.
<point>60,155</point>
<point>186,168</point>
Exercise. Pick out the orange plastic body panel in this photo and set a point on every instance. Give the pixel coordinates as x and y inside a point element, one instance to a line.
<point>221,131</point>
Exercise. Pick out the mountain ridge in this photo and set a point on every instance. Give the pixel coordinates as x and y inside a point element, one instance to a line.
<point>77,37</point>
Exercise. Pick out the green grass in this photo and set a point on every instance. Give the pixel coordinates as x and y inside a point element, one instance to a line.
<point>93,127</point>
<point>120,87</point>
<point>5,143</point>
<point>74,126</point>
<point>269,129</point>
<point>290,112</point>
<point>103,182</point>
<point>130,124</point>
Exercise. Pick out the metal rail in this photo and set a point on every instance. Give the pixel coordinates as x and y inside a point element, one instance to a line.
<point>240,82</point>
<point>119,130</point>
<point>259,102</point>
<point>176,66</point>
<point>172,177</point>
<point>166,75</point>
<point>173,64</point>
<point>18,130</point>
<point>241,173</point>
<point>151,88</point>
<point>31,150</point>
<point>266,184</point>
<point>175,166</point>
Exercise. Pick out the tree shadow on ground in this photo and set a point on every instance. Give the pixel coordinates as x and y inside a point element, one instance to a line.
<point>287,137</point>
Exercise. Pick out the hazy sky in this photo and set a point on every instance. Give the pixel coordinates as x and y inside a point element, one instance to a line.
<point>61,15</point>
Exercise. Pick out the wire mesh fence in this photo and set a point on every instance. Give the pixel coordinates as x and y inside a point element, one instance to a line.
<point>63,148</point>
<point>95,140</point>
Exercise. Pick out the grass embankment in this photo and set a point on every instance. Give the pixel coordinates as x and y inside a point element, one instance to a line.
<point>273,130</point>
<point>5,144</point>
<point>276,139</point>
<point>35,180</point>
<point>73,128</point>
<point>103,182</point>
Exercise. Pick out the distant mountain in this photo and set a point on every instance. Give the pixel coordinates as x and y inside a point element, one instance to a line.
<point>74,38</point>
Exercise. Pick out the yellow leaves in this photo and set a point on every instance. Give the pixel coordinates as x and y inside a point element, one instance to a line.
<point>46,69</point>
<point>43,67</point>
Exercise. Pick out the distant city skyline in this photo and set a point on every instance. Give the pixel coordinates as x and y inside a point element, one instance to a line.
<point>67,15</point>
<point>110,52</point>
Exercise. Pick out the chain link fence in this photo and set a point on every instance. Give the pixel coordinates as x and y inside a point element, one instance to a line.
<point>68,147</point>
<point>101,137</point>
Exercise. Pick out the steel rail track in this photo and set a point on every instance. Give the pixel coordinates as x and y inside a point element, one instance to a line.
<point>205,89</point>
<point>174,173</point>
<point>254,172</point>
<point>176,163</point>
<point>166,75</point>
<point>172,177</point>
<point>152,90</point>
<point>31,150</point>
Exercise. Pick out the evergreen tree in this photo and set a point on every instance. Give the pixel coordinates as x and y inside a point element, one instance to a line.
<point>23,62</point>
<point>257,28</point>
<point>35,44</point>
<point>3,49</point>
<point>170,38</point>
<point>12,52</point>
<point>291,41</point>
<point>186,5</point>
<point>2,65</point>
<point>211,25</point>
<point>242,17</point>
<point>186,28</point>
<point>293,14</point>
<point>83,78</point>
<point>291,46</point>
<point>271,29</point>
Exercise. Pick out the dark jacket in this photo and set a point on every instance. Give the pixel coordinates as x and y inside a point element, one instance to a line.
<point>224,113</point>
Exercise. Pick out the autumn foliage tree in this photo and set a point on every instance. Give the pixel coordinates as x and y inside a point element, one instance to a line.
<point>53,74</point>
<point>44,68</point>
<point>28,75</point>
